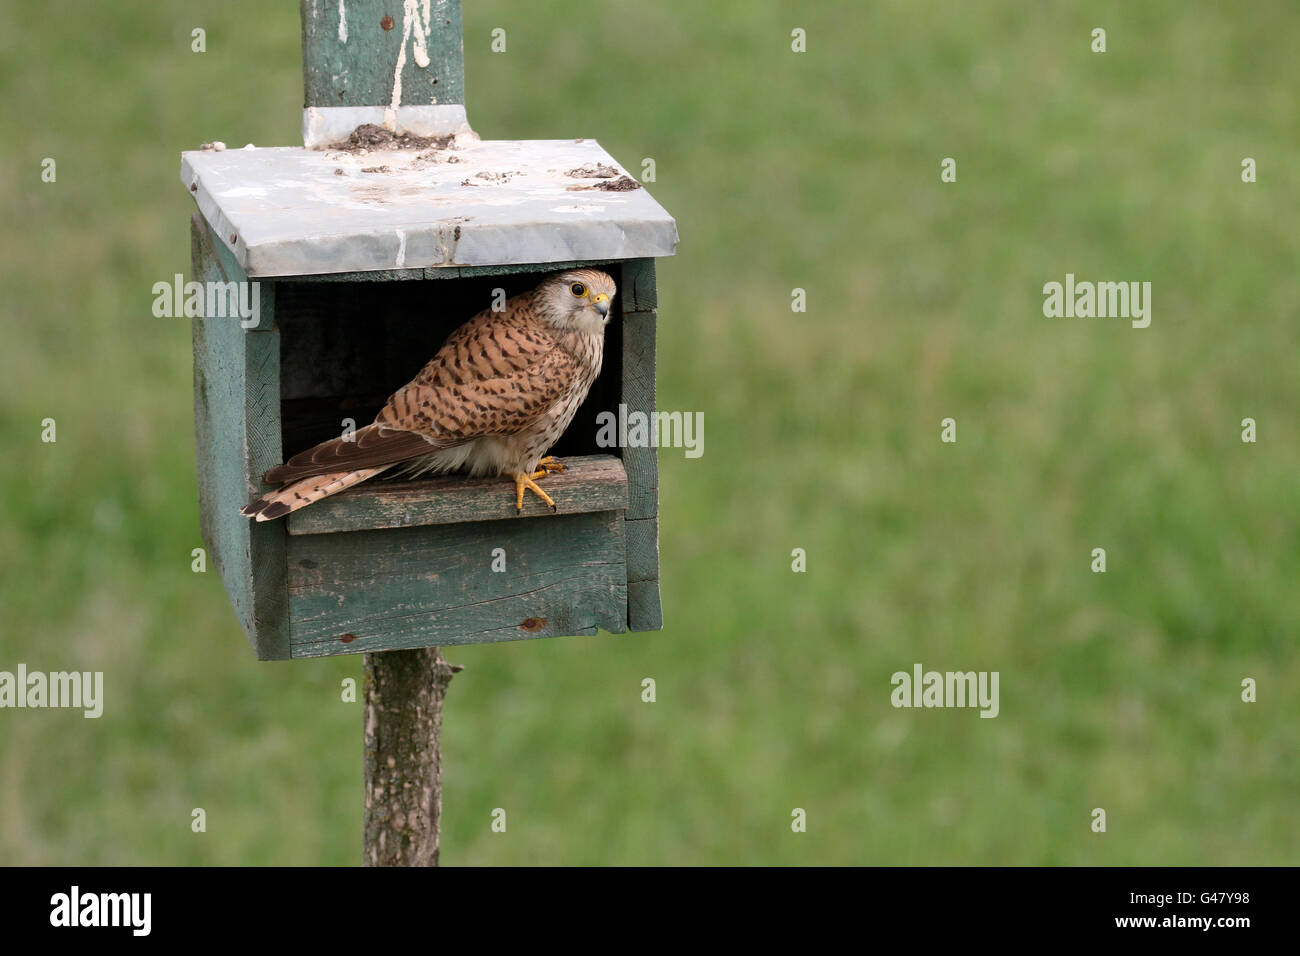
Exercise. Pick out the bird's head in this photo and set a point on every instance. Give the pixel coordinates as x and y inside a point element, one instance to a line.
<point>580,299</point>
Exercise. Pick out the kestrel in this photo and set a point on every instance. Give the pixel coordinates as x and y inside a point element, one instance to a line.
<point>494,399</point>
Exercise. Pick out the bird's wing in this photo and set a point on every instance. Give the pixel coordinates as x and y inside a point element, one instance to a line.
<point>496,375</point>
<point>371,447</point>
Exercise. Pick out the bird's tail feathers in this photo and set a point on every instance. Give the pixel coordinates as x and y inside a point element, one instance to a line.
<point>301,493</point>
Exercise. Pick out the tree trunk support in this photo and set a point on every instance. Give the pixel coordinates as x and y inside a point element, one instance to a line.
<point>404,693</point>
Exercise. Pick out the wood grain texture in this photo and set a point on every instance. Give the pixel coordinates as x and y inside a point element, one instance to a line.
<point>640,322</point>
<point>639,395</point>
<point>237,436</point>
<point>642,538</point>
<point>373,275</point>
<point>480,272</point>
<point>413,587</point>
<point>638,286</point>
<point>644,612</point>
<point>360,70</point>
<point>587,484</point>
<point>462,272</point>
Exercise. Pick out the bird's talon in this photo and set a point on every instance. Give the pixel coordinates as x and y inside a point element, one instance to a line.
<point>524,480</point>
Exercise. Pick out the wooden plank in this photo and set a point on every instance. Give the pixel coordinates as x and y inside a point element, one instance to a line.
<point>640,319</point>
<point>591,483</point>
<point>644,612</point>
<point>642,549</point>
<point>354,62</point>
<point>237,437</point>
<point>415,587</point>
<point>438,272</point>
<point>639,293</point>
<point>639,395</point>
<point>477,272</point>
<point>375,275</point>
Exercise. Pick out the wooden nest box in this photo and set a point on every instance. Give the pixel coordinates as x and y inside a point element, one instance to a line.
<point>367,247</point>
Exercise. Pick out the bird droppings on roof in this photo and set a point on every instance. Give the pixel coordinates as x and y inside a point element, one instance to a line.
<point>309,211</point>
<point>593,171</point>
<point>493,177</point>
<point>621,185</point>
<point>370,136</point>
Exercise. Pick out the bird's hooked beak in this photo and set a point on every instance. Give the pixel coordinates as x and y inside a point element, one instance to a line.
<point>601,304</point>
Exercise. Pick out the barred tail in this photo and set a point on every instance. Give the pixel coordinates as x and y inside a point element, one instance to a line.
<point>301,493</point>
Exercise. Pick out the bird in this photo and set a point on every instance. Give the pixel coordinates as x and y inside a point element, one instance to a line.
<point>493,400</point>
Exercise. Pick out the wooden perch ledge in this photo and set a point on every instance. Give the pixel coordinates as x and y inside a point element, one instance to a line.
<point>587,484</point>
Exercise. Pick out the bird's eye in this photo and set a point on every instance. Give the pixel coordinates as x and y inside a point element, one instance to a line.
<point>578,288</point>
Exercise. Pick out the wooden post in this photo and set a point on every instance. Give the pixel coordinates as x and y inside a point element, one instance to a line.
<point>352,53</point>
<point>401,66</point>
<point>358,57</point>
<point>404,693</point>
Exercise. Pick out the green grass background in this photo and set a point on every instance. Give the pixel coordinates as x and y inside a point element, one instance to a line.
<point>817,170</point>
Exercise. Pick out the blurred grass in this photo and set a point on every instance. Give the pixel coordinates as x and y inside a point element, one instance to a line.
<point>817,171</point>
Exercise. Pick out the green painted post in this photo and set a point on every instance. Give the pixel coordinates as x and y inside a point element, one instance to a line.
<point>399,65</point>
<point>351,52</point>
<point>405,59</point>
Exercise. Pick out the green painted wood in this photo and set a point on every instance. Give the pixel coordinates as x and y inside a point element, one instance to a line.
<point>392,566</point>
<point>639,395</point>
<point>462,272</point>
<point>642,515</point>
<point>644,611</point>
<point>639,292</point>
<point>374,591</point>
<point>415,587</point>
<point>642,538</point>
<point>378,275</point>
<point>237,437</point>
<point>361,69</point>
<point>477,272</point>
<point>588,483</point>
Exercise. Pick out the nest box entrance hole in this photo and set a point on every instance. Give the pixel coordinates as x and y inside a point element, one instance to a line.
<point>345,346</point>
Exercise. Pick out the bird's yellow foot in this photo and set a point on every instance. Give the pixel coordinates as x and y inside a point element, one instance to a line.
<point>523,481</point>
<point>548,465</point>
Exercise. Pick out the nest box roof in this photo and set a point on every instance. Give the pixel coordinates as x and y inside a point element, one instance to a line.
<point>412,204</point>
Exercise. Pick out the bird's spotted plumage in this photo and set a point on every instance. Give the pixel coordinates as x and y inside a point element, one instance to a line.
<point>499,393</point>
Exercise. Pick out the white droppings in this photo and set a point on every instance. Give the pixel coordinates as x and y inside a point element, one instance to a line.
<point>415,27</point>
<point>401,248</point>
<point>343,23</point>
<point>422,34</point>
